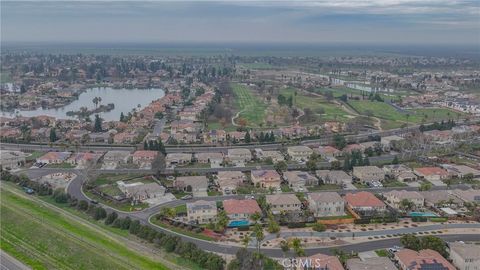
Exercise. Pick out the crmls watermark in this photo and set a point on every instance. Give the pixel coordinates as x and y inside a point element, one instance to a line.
<point>303,263</point>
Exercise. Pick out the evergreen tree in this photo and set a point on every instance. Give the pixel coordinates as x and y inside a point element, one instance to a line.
<point>98,123</point>
<point>247,137</point>
<point>145,145</point>
<point>122,117</point>
<point>53,135</point>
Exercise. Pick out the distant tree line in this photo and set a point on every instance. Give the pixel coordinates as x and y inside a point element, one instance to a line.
<point>438,126</point>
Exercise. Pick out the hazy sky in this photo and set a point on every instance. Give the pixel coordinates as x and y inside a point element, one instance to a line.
<point>362,21</point>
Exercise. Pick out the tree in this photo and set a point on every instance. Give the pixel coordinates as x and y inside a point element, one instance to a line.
<point>434,243</point>
<point>406,205</point>
<point>98,123</point>
<point>53,135</point>
<point>273,226</point>
<point>411,241</point>
<point>297,247</point>
<point>311,165</point>
<point>246,240</point>
<point>168,212</point>
<point>319,227</point>
<point>281,166</point>
<point>259,235</point>
<point>285,247</point>
<point>111,218</point>
<point>425,186</point>
<point>247,137</point>
<point>395,160</point>
<point>222,221</point>
<point>122,117</point>
<point>339,141</point>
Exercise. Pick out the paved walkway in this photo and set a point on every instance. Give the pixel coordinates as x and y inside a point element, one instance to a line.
<point>375,233</point>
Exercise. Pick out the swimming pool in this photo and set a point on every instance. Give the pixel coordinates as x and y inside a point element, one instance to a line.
<point>238,223</point>
<point>422,214</point>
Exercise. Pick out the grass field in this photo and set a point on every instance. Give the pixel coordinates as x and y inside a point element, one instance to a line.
<point>44,238</point>
<point>387,112</point>
<point>315,103</point>
<point>251,107</point>
<point>103,179</point>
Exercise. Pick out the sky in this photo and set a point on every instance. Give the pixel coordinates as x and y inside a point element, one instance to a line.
<point>338,21</point>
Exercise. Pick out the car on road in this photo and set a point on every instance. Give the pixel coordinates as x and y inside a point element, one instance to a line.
<point>93,201</point>
<point>249,197</point>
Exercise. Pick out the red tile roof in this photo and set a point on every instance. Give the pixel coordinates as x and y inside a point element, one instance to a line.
<point>241,206</point>
<point>145,154</point>
<point>432,171</point>
<point>363,199</point>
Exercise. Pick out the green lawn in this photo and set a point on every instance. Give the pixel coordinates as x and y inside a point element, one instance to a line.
<point>286,188</point>
<point>252,108</point>
<point>181,209</point>
<point>63,165</point>
<point>393,183</point>
<point>331,111</point>
<point>34,155</point>
<point>324,187</point>
<point>44,238</point>
<point>104,179</point>
<point>387,112</point>
<point>382,252</point>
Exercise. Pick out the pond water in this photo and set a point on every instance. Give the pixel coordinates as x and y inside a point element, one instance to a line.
<point>124,99</point>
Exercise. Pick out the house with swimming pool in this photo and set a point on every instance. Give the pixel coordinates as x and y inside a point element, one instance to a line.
<point>240,211</point>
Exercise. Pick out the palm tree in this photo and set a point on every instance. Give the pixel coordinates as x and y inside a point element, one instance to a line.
<point>24,129</point>
<point>297,247</point>
<point>285,247</point>
<point>95,101</point>
<point>246,240</point>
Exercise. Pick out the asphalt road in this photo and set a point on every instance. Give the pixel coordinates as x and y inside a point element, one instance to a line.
<point>74,189</point>
<point>7,262</point>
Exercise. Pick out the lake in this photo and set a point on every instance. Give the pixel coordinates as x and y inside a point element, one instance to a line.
<point>124,99</point>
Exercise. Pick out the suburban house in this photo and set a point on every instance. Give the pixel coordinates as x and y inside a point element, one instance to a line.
<point>239,155</point>
<point>139,191</point>
<point>400,172</point>
<point>173,159</point>
<point>299,153</point>
<point>321,262</point>
<point>431,173</point>
<point>144,157</point>
<point>215,136</point>
<point>370,263</point>
<point>440,198</point>
<point>214,158</point>
<point>198,185</point>
<point>54,157</point>
<point>465,256</point>
<point>83,159</point>
<point>297,180</point>
<point>460,171</point>
<point>240,209</point>
<point>266,178</point>
<point>12,159</point>
<point>230,180</point>
<point>202,212</point>
<point>328,152</point>
<point>423,259</point>
<point>388,140</point>
<point>113,158</point>
<point>283,203</point>
<point>326,204</point>
<point>333,177</point>
<point>276,156</point>
<point>368,174</point>
<point>365,202</point>
<point>394,197</point>
<point>469,195</point>
<point>236,135</point>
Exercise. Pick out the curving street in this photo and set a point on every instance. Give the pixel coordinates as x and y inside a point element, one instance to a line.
<point>75,190</point>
